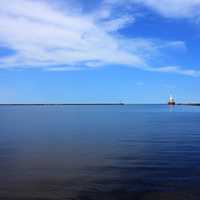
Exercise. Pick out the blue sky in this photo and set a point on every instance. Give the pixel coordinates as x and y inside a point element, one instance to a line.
<point>87,51</point>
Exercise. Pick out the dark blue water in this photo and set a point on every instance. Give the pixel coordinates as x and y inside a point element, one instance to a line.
<point>99,152</point>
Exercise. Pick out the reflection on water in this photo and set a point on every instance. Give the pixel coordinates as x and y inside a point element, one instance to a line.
<point>99,152</point>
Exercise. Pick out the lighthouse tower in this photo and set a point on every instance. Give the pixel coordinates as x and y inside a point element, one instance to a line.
<point>171,101</point>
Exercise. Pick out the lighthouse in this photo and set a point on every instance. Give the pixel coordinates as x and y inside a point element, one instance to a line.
<point>171,101</point>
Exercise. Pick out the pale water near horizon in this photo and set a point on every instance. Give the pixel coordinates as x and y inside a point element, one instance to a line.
<point>137,152</point>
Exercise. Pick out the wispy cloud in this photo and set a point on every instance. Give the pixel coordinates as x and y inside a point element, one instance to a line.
<point>117,24</point>
<point>42,35</point>
<point>176,70</point>
<point>63,69</point>
<point>173,8</point>
<point>167,8</point>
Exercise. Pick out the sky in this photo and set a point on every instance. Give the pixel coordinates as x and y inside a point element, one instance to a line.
<point>99,51</point>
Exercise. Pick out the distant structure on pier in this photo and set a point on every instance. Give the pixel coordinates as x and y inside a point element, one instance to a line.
<point>171,101</point>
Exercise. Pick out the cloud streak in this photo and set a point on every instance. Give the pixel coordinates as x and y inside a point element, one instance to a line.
<point>166,8</point>
<point>177,70</point>
<point>173,8</point>
<point>42,35</point>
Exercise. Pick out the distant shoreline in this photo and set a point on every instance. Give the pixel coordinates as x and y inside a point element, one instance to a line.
<point>188,104</point>
<point>65,104</point>
<point>93,104</point>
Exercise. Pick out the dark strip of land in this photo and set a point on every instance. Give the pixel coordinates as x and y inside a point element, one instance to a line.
<point>189,104</point>
<point>66,104</point>
<point>92,104</point>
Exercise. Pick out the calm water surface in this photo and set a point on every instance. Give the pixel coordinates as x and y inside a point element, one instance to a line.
<point>137,152</point>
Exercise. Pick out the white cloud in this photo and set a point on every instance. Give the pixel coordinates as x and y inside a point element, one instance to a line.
<point>62,69</point>
<point>173,8</point>
<point>167,8</point>
<point>43,35</point>
<point>177,70</point>
<point>117,24</point>
<point>175,45</point>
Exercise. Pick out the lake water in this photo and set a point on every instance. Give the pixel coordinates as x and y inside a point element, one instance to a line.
<point>137,152</point>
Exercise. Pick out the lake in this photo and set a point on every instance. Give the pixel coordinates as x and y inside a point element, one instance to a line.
<point>139,152</point>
